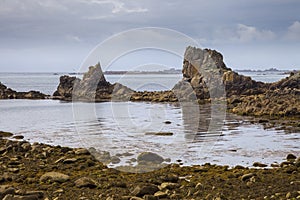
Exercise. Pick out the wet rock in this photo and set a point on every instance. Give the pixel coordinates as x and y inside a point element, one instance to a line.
<point>54,177</point>
<point>69,160</point>
<point>142,190</point>
<point>159,133</point>
<point>149,157</point>
<point>7,93</point>
<point>5,134</point>
<point>18,137</point>
<point>246,177</point>
<point>92,87</point>
<point>5,190</point>
<point>291,157</point>
<point>115,160</point>
<point>82,151</point>
<point>136,198</point>
<point>160,195</point>
<point>258,164</point>
<point>169,186</point>
<point>86,182</point>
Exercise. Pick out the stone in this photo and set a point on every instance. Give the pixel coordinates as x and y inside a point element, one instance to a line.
<point>115,160</point>
<point>69,160</point>
<point>160,194</point>
<point>19,197</point>
<point>136,198</point>
<point>258,164</point>
<point>142,190</point>
<point>149,157</point>
<point>170,178</point>
<point>151,197</point>
<point>246,177</point>
<point>18,137</point>
<point>169,186</point>
<point>5,134</point>
<point>5,190</point>
<point>82,151</point>
<point>159,133</point>
<point>291,157</point>
<point>86,182</point>
<point>54,177</point>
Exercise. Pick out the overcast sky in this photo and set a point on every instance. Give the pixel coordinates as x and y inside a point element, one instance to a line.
<point>57,35</point>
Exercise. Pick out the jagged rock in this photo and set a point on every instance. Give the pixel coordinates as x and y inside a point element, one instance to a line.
<point>8,93</point>
<point>209,77</point>
<point>92,87</point>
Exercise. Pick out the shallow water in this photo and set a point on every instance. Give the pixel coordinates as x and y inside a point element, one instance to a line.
<point>120,127</point>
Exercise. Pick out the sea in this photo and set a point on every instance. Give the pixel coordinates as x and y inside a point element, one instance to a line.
<point>198,136</point>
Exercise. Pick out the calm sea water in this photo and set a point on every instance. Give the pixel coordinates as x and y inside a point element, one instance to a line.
<point>48,82</point>
<point>121,127</point>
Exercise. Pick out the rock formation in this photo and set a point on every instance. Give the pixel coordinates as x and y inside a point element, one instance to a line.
<point>8,93</point>
<point>205,72</point>
<point>92,87</point>
<point>209,77</point>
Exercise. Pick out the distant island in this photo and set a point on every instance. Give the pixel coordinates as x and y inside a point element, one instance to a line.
<point>166,71</point>
<point>275,70</point>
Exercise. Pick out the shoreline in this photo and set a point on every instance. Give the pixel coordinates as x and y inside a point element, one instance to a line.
<point>53,172</point>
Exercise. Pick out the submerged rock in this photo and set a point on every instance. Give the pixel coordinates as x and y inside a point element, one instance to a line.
<point>149,157</point>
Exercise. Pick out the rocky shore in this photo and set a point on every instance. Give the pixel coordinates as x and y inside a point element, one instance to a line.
<point>205,78</point>
<point>39,171</point>
<point>8,93</point>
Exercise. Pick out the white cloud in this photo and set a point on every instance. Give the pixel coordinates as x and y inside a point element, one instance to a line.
<point>293,32</point>
<point>117,6</point>
<point>249,33</point>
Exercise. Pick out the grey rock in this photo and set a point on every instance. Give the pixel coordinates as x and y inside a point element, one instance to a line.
<point>86,182</point>
<point>149,157</point>
<point>54,177</point>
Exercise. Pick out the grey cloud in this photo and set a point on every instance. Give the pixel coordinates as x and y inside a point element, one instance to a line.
<point>82,24</point>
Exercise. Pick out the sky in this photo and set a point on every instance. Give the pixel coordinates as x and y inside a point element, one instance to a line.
<point>59,35</point>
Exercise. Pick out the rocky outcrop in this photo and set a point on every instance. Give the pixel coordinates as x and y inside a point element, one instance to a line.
<point>92,87</point>
<point>205,72</point>
<point>8,93</point>
<point>282,99</point>
<point>209,77</point>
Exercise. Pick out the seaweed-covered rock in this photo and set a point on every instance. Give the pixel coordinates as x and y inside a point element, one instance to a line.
<point>8,93</point>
